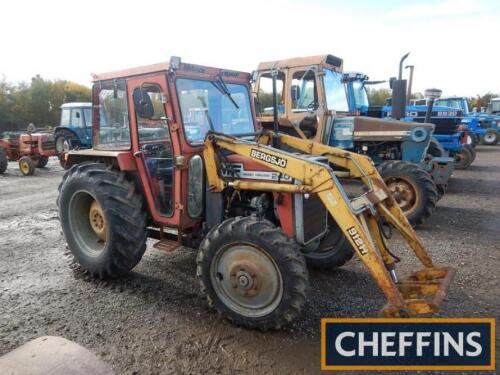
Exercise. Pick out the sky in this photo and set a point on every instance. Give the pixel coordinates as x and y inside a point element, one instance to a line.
<point>453,44</point>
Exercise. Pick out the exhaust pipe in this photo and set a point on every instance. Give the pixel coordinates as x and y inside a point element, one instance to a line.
<point>410,83</point>
<point>398,87</point>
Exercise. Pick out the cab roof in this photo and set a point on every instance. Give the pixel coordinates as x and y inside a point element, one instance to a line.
<point>302,61</point>
<point>168,66</point>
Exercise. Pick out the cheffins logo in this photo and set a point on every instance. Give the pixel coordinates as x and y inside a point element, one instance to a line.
<point>408,344</point>
<point>268,158</point>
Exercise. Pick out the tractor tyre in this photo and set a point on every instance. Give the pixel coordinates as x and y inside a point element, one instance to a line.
<point>63,142</point>
<point>42,162</point>
<point>463,158</point>
<point>413,189</point>
<point>252,273</point>
<point>103,219</point>
<point>27,166</point>
<point>435,149</point>
<point>331,251</point>
<point>441,189</point>
<point>3,161</point>
<point>472,150</point>
<point>490,138</point>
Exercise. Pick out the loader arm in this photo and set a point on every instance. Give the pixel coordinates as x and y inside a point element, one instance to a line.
<point>359,218</point>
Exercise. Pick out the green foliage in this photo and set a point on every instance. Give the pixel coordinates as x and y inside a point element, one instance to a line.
<point>481,100</point>
<point>378,96</point>
<point>37,102</point>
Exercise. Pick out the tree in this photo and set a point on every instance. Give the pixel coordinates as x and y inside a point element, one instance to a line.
<point>378,96</point>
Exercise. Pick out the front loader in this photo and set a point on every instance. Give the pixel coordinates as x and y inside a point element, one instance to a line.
<point>188,166</point>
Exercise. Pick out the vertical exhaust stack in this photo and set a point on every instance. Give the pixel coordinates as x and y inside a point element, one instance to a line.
<point>410,83</point>
<point>398,87</point>
<point>431,95</point>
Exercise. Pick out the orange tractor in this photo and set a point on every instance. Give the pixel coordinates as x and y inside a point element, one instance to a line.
<point>177,157</point>
<point>32,149</point>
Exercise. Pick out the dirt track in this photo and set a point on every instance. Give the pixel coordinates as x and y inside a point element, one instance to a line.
<point>155,321</point>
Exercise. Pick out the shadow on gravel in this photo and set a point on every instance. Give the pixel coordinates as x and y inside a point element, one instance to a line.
<point>466,186</point>
<point>472,220</point>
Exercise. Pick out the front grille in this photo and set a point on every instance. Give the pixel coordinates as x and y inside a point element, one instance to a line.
<point>445,126</point>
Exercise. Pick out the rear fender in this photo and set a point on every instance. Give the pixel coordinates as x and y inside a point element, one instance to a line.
<point>121,160</point>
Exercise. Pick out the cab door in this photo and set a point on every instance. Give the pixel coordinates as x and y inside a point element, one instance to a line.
<point>155,147</point>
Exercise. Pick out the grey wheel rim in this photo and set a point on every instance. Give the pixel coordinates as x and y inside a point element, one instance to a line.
<point>490,137</point>
<point>89,242</point>
<point>247,280</point>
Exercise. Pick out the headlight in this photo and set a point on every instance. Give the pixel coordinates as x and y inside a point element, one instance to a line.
<point>419,134</point>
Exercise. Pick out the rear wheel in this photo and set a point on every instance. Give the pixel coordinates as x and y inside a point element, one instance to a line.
<point>103,219</point>
<point>490,138</point>
<point>413,189</point>
<point>64,142</point>
<point>332,251</point>
<point>42,161</point>
<point>472,150</point>
<point>3,161</point>
<point>463,158</point>
<point>252,273</point>
<point>27,166</point>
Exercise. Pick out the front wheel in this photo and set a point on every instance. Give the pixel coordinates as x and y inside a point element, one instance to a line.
<point>413,189</point>
<point>27,166</point>
<point>63,142</point>
<point>463,158</point>
<point>252,273</point>
<point>490,138</point>
<point>103,219</point>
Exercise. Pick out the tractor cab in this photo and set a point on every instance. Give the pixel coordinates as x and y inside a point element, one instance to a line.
<point>75,127</point>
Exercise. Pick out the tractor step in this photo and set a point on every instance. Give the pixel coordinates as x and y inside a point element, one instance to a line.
<point>168,246</point>
<point>423,291</point>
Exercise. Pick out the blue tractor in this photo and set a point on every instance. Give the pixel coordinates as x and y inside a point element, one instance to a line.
<point>75,128</point>
<point>438,166</point>
<point>484,126</point>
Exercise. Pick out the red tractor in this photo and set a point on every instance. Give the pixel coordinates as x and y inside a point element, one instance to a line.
<point>32,149</point>
<point>177,157</point>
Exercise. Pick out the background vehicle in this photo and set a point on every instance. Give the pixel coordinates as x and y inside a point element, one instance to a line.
<point>32,149</point>
<point>75,127</point>
<point>312,104</point>
<point>261,209</point>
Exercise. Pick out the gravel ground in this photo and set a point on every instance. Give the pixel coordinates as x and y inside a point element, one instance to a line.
<point>155,321</point>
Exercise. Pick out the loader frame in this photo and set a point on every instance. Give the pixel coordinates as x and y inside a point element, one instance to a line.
<point>360,218</point>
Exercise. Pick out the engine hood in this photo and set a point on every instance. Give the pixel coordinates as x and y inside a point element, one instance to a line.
<point>369,128</point>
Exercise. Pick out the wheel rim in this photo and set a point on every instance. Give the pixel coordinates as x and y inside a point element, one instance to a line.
<point>404,192</point>
<point>490,137</point>
<point>65,146</point>
<point>88,223</point>
<point>247,280</point>
<point>24,166</point>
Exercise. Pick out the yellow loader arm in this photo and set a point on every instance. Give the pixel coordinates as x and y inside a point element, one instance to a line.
<point>359,218</point>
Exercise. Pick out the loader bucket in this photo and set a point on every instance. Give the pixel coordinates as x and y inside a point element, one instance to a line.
<point>423,291</point>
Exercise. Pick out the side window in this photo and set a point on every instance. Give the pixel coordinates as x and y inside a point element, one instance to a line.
<point>150,113</point>
<point>76,117</point>
<point>114,129</point>
<point>265,93</point>
<point>65,116</point>
<point>154,142</point>
<point>303,91</point>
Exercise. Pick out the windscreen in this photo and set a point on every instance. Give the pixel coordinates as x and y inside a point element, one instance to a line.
<point>213,105</point>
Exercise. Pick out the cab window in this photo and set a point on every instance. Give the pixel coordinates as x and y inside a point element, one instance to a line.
<point>65,116</point>
<point>76,117</point>
<point>114,130</point>
<point>303,91</point>
<point>265,93</point>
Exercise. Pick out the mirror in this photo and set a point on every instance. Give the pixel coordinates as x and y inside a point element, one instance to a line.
<point>143,104</point>
<point>295,92</point>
